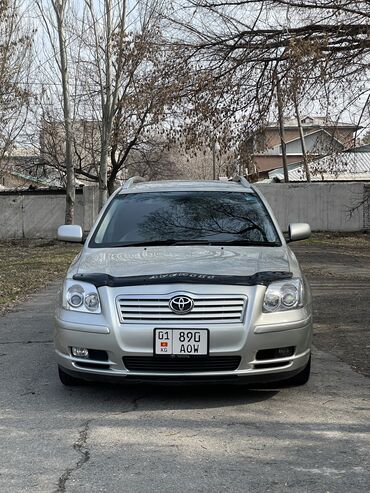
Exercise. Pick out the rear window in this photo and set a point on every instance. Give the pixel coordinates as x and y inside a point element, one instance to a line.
<point>185,217</point>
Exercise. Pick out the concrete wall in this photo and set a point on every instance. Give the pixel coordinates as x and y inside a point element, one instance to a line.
<point>325,206</point>
<point>38,215</point>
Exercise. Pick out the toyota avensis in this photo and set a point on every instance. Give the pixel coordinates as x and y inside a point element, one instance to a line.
<point>185,281</point>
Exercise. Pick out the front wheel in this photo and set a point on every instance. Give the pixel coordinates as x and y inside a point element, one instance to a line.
<point>68,380</point>
<point>302,377</point>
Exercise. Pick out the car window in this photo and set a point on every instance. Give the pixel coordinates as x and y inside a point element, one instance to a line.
<point>210,216</point>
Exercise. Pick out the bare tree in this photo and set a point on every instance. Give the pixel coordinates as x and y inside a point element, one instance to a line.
<point>85,147</point>
<point>60,53</point>
<point>240,45</point>
<point>15,62</point>
<point>59,7</point>
<point>146,84</point>
<point>106,36</point>
<point>144,97</point>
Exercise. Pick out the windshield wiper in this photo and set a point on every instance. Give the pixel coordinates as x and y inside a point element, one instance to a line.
<point>251,243</point>
<point>194,242</point>
<point>143,243</point>
<point>165,242</point>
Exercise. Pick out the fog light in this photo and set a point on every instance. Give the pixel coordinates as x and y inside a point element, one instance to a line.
<point>284,352</point>
<point>80,352</point>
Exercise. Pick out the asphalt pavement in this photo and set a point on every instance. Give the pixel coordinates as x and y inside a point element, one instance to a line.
<point>138,439</point>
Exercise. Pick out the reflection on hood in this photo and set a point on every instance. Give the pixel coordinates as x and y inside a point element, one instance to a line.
<point>202,259</point>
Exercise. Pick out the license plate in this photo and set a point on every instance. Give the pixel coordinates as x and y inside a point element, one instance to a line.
<point>181,342</point>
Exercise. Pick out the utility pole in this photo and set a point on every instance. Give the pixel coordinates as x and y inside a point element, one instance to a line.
<point>302,139</point>
<point>214,159</point>
<point>281,129</point>
<point>215,150</point>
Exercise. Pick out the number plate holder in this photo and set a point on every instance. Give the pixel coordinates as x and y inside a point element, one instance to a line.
<point>181,342</point>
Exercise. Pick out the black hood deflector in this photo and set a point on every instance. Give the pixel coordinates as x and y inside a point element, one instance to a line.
<point>263,278</point>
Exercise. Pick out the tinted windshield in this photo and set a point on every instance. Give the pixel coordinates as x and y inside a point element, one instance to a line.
<point>185,218</point>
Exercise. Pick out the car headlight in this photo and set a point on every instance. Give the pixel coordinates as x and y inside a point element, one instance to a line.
<point>283,295</point>
<point>81,297</point>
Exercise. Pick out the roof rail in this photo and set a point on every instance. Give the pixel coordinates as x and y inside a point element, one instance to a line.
<point>242,180</point>
<point>131,181</point>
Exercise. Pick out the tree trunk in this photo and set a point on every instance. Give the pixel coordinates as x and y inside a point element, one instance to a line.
<point>107,109</point>
<point>103,164</point>
<point>59,7</point>
<point>110,94</point>
<point>115,167</point>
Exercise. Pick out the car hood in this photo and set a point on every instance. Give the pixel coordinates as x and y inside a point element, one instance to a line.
<point>202,259</point>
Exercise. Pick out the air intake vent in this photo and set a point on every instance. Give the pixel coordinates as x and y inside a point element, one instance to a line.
<point>210,363</point>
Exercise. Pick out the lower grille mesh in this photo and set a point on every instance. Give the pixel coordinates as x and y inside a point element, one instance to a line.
<point>211,363</point>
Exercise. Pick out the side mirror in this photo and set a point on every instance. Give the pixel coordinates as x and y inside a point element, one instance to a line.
<point>70,232</point>
<point>298,231</point>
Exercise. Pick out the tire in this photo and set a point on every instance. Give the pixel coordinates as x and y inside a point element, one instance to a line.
<point>302,377</point>
<point>68,380</point>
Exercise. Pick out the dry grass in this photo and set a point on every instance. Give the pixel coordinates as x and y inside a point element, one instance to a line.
<point>356,241</point>
<point>26,266</point>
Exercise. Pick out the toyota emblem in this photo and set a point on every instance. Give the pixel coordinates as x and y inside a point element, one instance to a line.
<point>181,304</point>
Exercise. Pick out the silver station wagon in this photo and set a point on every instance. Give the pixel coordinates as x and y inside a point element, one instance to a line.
<point>185,281</point>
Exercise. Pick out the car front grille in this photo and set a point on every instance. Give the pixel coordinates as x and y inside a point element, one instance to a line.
<point>215,309</point>
<point>197,364</point>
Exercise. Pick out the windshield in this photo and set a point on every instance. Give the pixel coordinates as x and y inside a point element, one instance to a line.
<point>157,218</point>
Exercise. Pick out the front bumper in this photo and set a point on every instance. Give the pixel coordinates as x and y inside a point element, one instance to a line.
<point>258,331</point>
<point>235,378</point>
